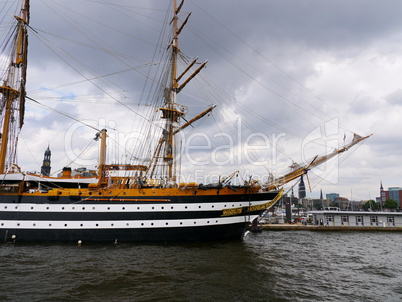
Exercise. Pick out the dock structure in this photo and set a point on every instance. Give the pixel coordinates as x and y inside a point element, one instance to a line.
<point>326,228</point>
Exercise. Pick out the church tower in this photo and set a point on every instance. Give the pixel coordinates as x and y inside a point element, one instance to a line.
<point>302,188</point>
<point>45,169</point>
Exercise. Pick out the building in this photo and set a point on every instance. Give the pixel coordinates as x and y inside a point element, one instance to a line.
<point>45,169</point>
<point>332,196</point>
<point>357,218</point>
<point>394,193</point>
<point>302,188</point>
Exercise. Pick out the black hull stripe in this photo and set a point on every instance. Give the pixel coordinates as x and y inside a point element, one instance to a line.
<point>135,199</point>
<point>201,233</point>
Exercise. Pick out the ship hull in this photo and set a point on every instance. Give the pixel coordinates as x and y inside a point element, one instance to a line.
<point>166,218</point>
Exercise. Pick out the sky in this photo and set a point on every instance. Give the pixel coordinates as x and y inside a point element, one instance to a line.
<point>291,79</point>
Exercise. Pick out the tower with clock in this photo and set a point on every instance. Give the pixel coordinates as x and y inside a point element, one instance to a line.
<point>45,169</point>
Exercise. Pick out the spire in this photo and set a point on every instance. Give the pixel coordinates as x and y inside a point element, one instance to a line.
<point>321,195</point>
<point>302,188</point>
<point>45,169</point>
<point>381,188</point>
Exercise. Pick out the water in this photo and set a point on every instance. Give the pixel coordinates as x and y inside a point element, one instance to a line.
<point>269,266</point>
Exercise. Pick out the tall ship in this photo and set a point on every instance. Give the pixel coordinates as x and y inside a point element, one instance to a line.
<point>144,200</point>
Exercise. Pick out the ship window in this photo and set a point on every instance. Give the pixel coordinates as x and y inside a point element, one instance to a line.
<point>127,224</point>
<point>50,224</point>
<point>329,218</point>
<point>81,224</point>
<point>65,224</point>
<point>2,224</point>
<point>138,208</point>
<point>345,218</point>
<point>181,223</point>
<point>123,208</point>
<point>18,224</point>
<point>112,224</point>
<point>359,218</point>
<point>167,223</point>
<point>162,208</point>
<point>199,207</point>
<point>142,224</point>
<point>31,208</point>
<point>90,193</point>
<point>34,224</point>
<point>124,193</point>
<point>373,219</point>
<point>152,223</point>
<point>62,208</point>
<point>83,208</point>
<point>5,207</point>
<point>97,224</point>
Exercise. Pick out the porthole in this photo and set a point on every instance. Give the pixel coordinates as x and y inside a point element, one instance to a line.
<point>62,208</point>
<point>32,208</point>
<point>47,208</point>
<point>171,208</point>
<point>18,224</point>
<point>124,193</point>
<point>97,224</point>
<point>2,224</point>
<point>213,206</point>
<point>99,193</point>
<point>199,207</point>
<point>185,207</point>
<point>5,207</point>
<point>138,208</point>
<point>208,221</point>
<point>162,208</point>
<point>195,222</point>
<point>181,223</point>
<point>90,193</point>
<point>152,223</point>
<point>142,224</point>
<point>65,224</point>
<point>108,208</point>
<point>127,224</point>
<point>93,208</point>
<point>83,208</point>
<point>81,224</point>
<point>123,208</point>
<point>50,224</point>
<point>34,224</point>
<point>112,224</point>
<point>153,208</point>
<point>73,208</point>
<point>16,207</point>
<point>167,223</point>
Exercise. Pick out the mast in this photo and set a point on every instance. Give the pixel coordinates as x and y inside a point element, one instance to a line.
<point>172,112</point>
<point>13,91</point>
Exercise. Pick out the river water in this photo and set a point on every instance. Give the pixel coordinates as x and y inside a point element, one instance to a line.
<point>267,266</point>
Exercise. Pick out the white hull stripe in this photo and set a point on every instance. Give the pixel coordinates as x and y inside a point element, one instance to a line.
<point>112,224</point>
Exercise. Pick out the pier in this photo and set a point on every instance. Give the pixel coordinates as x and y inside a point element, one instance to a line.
<point>321,228</point>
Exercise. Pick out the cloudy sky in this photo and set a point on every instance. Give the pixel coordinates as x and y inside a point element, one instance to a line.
<point>291,79</point>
